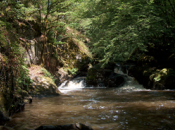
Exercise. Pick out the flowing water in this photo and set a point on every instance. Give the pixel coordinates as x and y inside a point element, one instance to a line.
<point>130,107</point>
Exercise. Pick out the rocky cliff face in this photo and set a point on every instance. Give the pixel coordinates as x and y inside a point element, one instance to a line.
<point>68,52</point>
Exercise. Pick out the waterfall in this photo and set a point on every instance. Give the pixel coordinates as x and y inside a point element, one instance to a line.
<point>79,83</point>
<point>75,84</point>
<point>131,84</point>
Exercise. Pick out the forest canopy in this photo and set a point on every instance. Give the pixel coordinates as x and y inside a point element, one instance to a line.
<point>122,30</point>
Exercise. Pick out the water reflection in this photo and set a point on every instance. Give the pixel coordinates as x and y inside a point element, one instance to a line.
<point>102,109</point>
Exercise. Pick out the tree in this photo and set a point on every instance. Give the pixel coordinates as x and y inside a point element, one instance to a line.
<point>49,15</point>
<point>120,29</point>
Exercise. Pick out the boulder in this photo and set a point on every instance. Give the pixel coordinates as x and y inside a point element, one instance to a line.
<point>44,86</point>
<point>108,77</point>
<point>92,76</point>
<point>76,126</point>
<point>115,80</point>
<point>43,83</point>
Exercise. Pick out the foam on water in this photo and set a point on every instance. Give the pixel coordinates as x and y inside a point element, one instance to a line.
<point>79,83</point>
<point>131,85</point>
<point>74,84</point>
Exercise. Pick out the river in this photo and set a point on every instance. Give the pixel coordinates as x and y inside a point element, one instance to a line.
<point>130,107</point>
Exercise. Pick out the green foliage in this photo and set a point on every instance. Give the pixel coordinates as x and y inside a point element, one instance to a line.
<point>73,71</point>
<point>21,16</point>
<point>23,78</point>
<point>120,29</point>
<point>158,75</point>
<point>59,42</point>
<point>48,74</point>
<point>157,78</point>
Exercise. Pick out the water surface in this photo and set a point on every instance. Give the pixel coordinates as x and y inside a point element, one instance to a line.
<point>102,109</point>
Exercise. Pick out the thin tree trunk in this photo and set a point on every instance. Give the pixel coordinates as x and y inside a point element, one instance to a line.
<point>45,33</point>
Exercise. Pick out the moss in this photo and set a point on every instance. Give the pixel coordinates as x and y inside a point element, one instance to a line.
<point>158,75</point>
<point>154,78</point>
<point>69,52</point>
<point>45,86</point>
<point>83,48</point>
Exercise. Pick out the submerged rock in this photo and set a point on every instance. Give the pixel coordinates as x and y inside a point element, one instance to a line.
<point>76,126</point>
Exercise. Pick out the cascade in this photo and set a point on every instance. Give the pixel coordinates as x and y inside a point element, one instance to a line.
<point>75,84</point>
<point>79,83</point>
<point>131,84</point>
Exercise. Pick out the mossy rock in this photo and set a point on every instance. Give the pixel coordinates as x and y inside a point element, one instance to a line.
<point>153,78</point>
<point>45,86</point>
<point>92,76</point>
<point>21,93</point>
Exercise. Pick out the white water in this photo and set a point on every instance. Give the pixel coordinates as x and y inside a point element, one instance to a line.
<point>79,83</point>
<point>75,84</point>
<point>131,84</point>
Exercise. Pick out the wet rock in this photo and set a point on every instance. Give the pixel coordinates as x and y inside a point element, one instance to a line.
<point>3,118</point>
<point>28,100</point>
<point>92,76</point>
<point>76,126</point>
<point>115,80</point>
<point>19,107</point>
<point>106,77</point>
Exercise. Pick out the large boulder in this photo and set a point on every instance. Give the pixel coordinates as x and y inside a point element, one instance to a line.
<point>115,80</point>
<point>107,76</point>
<point>76,126</point>
<point>43,83</point>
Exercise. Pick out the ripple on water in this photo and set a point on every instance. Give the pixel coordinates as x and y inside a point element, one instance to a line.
<point>102,109</point>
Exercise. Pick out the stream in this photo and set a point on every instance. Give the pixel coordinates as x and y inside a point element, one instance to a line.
<point>129,107</point>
